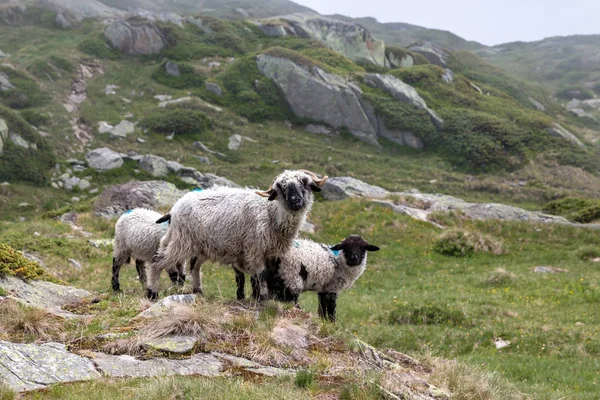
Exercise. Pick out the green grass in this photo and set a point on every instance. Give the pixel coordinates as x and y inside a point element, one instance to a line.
<point>575,209</point>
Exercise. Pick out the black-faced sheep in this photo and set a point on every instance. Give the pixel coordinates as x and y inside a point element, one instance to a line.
<point>310,266</point>
<point>240,227</point>
<point>137,235</point>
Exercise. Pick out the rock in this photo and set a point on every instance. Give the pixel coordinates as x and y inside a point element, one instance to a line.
<point>308,227</point>
<point>115,200</point>
<point>548,270</point>
<point>558,131</point>
<point>24,205</point>
<point>99,243</point>
<point>235,141</point>
<point>172,69</point>
<point>315,94</point>
<point>318,129</point>
<point>416,213</point>
<point>33,257</point>
<point>214,64</point>
<point>26,367</point>
<point>155,165</point>
<point>135,36</point>
<point>539,106</point>
<point>5,84</point>
<point>3,54</point>
<point>84,184</point>
<point>20,141</point>
<point>203,160</point>
<point>288,125</point>
<point>340,188</point>
<point>201,146</point>
<point>574,103</point>
<point>591,104</point>
<point>174,166</point>
<point>199,24</point>
<point>501,343</point>
<point>214,88</point>
<point>596,260</point>
<point>165,305</point>
<point>170,136</point>
<point>403,93</point>
<point>436,55</point>
<point>75,199</point>
<point>172,344</point>
<point>289,335</point>
<point>347,38</point>
<point>103,159</point>
<point>62,21</point>
<point>163,97</point>
<point>579,323</point>
<point>140,140</point>
<point>110,89</point>
<point>196,101</point>
<point>71,182</point>
<point>93,191</point>
<point>122,129</point>
<point>47,296</point>
<point>74,161</point>
<point>79,168</point>
<point>75,264</point>
<point>79,10</point>
<point>126,366</point>
<point>395,60</point>
<point>448,76</point>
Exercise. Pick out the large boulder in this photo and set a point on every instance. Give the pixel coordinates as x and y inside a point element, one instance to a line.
<point>135,36</point>
<point>347,38</point>
<point>402,92</point>
<point>342,187</point>
<point>115,200</point>
<point>559,131</point>
<point>318,95</point>
<point>79,10</point>
<point>26,367</point>
<point>154,165</point>
<point>103,159</point>
<point>435,54</point>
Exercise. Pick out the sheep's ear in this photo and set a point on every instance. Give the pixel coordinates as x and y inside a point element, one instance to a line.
<point>337,247</point>
<point>314,187</point>
<point>273,195</point>
<point>370,247</point>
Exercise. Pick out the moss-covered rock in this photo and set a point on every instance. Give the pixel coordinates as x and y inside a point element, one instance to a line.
<point>177,120</point>
<point>14,263</point>
<point>185,78</point>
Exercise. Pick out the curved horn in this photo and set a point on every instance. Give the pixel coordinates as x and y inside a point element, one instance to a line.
<point>314,177</point>
<point>267,193</point>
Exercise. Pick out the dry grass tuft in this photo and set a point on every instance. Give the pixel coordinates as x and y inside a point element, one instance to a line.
<point>18,321</point>
<point>6,393</point>
<point>500,277</point>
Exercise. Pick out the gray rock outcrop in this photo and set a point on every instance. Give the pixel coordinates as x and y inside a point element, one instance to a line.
<point>26,367</point>
<point>347,38</point>
<point>154,165</point>
<point>214,88</point>
<point>559,131</point>
<point>435,54</point>
<point>103,159</point>
<point>339,188</point>
<point>135,36</point>
<point>122,129</point>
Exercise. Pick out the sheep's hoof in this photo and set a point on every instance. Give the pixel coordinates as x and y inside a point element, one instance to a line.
<point>197,291</point>
<point>151,295</point>
<point>180,280</point>
<point>116,287</point>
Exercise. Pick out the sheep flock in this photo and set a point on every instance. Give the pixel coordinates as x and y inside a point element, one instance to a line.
<point>255,232</point>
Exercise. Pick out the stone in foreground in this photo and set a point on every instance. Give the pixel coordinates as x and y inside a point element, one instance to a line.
<point>167,304</point>
<point>172,344</point>
<point>30,366</point>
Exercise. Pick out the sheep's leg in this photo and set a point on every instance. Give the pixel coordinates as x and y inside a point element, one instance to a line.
<point>332,306</point>
<point>240,281</point>
<point>116,269</point>
<point>327,306</point>
<point>160,261</point>
<point>177,275</point>
<point>140,266</point>
<point>196,269</point>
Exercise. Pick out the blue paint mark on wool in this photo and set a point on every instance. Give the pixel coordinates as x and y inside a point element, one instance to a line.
<point>296,244</point>
<point>128,211</point>
<point>335,252</point>
<point>197,190</point>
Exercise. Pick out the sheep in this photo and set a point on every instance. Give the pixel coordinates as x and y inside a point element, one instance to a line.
<point>235,226</point>
<point>138,235</point>
<point>310,266</point>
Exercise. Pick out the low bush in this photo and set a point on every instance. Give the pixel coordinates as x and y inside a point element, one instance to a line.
<point>97,46</point>
<point>417,314</point>
<point>35,117</point>
<point>26,92</point>
<point>14,263</point>
<point>188,77</point>
<point>575,209</point>
<point>51,68</point>
<point>304,379</point>
<point>461,243</point>
<point>179,121</point>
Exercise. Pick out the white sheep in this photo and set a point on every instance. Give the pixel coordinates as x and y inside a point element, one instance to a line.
<point>310,266</point>
<point>137,235</point>
<point>235,226</point>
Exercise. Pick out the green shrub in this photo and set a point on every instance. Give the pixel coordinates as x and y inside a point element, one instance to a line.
<point>574,92</point>
<point>331,59</point>
<point>20,164</point>
<point>304,378</point>
<point>97,46</point>
<point>178,121</point>
<point>461,243</point>
<point>6,393</point>
<point>51,68</point>
<point>188,77</point>
<point>417,314</point>
<point>13,263</point>
<point>257,102</point>
<point>575,209</point>
<point>587,253</point>
<point>35,117</point>
<point>27,93</point>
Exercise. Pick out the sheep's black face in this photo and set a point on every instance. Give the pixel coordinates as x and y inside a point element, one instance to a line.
<point>295,192</point>
<point>294,196</point>
<point>354,248</point>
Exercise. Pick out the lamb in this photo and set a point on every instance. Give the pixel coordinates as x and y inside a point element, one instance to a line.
<point>235,226</point>
<point>310,266</point>
<point>138,235</point>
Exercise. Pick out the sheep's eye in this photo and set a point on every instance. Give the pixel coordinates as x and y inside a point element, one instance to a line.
<point>305,182</point>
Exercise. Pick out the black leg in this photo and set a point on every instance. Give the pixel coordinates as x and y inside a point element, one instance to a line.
<point>176,277</point>
<point>327,306</point>
<point>240,281</point>
<point>332,304</point>
<point>115,275</point>
<point>140,266</point>
<point>193,263</point>
<point>255,288</point>
<point>152,295</point>
<point>322,306</point>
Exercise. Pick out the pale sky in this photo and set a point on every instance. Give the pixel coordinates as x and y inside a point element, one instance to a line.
<point>486,21</point>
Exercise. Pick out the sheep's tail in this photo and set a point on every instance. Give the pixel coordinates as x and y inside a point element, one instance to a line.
<point>164,218</point>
